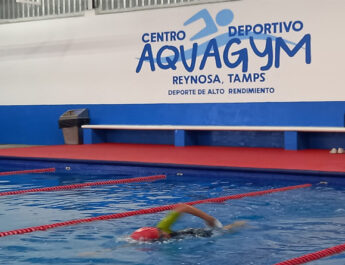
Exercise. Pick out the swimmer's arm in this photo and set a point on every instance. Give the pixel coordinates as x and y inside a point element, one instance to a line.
<point>185,208</point>
<point>234,225</point>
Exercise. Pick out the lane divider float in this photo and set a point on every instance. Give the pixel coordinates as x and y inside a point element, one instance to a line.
<point>314,256</point>
<point>83,185</point>
<point>146,211</point>
<point>41,170</point>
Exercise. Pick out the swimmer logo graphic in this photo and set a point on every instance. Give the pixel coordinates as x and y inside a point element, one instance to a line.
<point>222,54</point>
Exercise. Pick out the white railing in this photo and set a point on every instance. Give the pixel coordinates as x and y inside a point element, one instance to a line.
<point>109,6</point>
<point>123,5</point>
<point>22,10</point>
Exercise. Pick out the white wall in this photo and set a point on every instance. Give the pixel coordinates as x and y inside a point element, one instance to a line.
<point>93,59</point>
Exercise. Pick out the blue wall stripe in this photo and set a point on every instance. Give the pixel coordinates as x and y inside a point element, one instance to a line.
<point>39,124</point>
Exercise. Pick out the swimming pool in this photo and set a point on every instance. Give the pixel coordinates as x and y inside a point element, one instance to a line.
<point>281,225</point>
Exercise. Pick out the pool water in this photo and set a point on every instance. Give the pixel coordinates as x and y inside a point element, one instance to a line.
<point>280,226</point>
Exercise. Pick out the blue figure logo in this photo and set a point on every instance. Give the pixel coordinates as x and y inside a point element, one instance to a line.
<point>223,18</point>
<point>209,48</point>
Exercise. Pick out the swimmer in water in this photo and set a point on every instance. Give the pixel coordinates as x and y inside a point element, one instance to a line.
<point>162,231</point>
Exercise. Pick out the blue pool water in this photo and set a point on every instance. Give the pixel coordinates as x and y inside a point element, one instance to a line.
<point>280,226</point>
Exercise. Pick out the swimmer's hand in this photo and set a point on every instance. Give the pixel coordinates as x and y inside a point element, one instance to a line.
<point>212,222</point>
<point>234,225</point>
<point>217,224</point>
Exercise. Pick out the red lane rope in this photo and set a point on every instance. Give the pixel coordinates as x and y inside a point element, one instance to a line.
<point>146,211</point>
<point>42,170</point>
<point>314,256</point>
<point>82,185</point>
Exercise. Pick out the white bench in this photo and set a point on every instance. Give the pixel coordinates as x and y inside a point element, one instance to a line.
<point>291,139</point>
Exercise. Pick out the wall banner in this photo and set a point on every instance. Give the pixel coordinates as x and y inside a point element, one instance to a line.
<point>241,51</point>
<point>223,59</point>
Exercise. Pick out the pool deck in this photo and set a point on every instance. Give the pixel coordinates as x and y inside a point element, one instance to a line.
<point>311,160</point>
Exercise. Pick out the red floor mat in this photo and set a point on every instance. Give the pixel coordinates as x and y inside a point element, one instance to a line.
<point>261,158</point>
